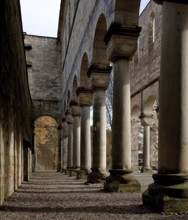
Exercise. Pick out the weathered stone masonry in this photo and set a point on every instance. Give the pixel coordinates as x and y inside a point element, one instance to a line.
<point>45,80</point>
<point>15,101</point>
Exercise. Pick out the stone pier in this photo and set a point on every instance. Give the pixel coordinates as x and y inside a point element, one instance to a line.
<point>85,97</point>
<point>100,78</point>
<point>76,114</point>
<point>121,44</point>
<point>169,192</point>
<point>70,140</point>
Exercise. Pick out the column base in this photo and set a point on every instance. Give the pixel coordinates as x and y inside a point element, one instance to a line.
<point>121,181</point>
<point>168,193</point>
<point>97,176</point>
<point>146,170</point>
<point>63,171</point>
<point>70,172</point>
<point>82,174</point>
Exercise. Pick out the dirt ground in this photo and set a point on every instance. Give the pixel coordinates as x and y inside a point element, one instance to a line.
<point>54,196</point>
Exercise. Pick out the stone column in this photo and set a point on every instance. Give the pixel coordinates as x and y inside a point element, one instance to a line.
<point>70,140</point>
<point>59,149</point>
<point>100,78</point>
<point>147,121</point>
<point>121,44</point>
<point>169,192</point>
<point>76,113</point>
<point>64,152</point>
<point>61,155</point>
<point>85,97</point>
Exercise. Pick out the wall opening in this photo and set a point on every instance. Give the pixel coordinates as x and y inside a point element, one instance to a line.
<point>46,144</point>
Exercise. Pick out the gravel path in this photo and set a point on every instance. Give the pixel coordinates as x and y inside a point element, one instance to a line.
<point>53,196</point>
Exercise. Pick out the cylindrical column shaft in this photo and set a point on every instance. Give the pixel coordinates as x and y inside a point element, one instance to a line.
<point>121,135</point>
<point>76,142</point>
<point>65,153</point>
<point>170,190</point>
<point>146,149</point>
<point>173,117</point>
<point>85,138</point>
<point>70,146</point>
<point>62,150</point>
<point>59,150</point>
<point>99,131</point>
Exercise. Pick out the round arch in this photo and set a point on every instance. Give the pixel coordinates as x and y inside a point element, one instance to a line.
<point>149,104</point>
<point>68,98</point>
<point>74,89</point>
<point>64,106</point>
<point>99,47</point>
<point>135,112</point>
<point>46,143</point>
<point>83,71</point>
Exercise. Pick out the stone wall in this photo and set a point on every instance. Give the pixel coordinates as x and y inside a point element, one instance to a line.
<point>44,71</point>
<point>15,100</point>
<point>145,65</point>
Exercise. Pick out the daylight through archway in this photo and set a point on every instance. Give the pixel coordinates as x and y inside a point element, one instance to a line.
<point>46,144</point>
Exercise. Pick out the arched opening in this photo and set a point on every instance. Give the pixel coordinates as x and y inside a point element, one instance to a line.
<point>83,72</point>
<point>150,104</point>
<point>65,106</point>
<point>151,30</point>
<point>135,112</point>
<point>99,47</point>
<point>74,89</point>
<point>150,109</point>
<point>46,144</point>
<point>68,99</point>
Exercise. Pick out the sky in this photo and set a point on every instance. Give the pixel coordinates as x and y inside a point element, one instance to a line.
<point>40,17</point>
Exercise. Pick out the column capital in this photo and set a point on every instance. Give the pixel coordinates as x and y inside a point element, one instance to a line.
<point>99,75</point>
<point>76,111</point>
<point>73,103</point>
<point>146,119</point>
<point>121,41</point>
<point>85,96</point>
<point>172,1</point>
<point>69,117</point>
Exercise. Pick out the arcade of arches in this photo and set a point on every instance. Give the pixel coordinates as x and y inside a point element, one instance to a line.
<point>48,90</point>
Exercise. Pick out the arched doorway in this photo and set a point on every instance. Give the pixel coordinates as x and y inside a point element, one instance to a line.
<point>46,143</point>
